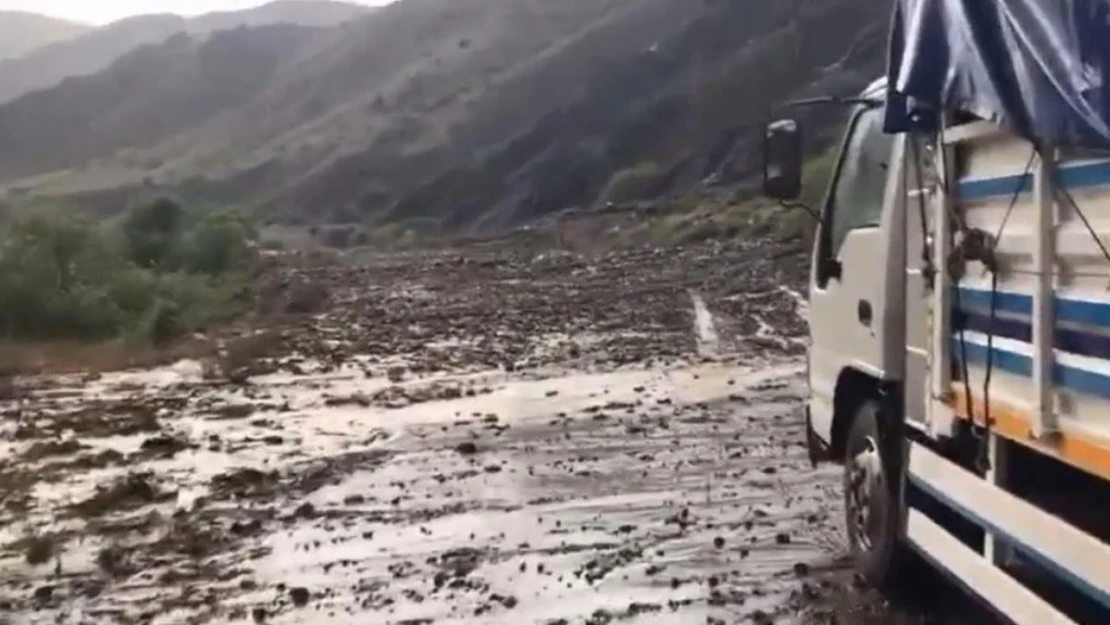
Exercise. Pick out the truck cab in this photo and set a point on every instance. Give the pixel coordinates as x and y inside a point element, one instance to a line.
<point>856,304</point>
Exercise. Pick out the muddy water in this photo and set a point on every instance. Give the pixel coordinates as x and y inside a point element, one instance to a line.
<point>598,483</point>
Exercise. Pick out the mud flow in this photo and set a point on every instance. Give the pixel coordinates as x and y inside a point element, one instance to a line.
<point>470,436</point>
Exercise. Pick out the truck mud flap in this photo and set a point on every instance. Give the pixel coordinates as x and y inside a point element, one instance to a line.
<point>818,451</point>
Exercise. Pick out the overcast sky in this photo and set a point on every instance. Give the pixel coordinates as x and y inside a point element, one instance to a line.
<point>104,11</point>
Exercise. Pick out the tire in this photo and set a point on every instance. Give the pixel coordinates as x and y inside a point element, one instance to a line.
<point>872,499</point>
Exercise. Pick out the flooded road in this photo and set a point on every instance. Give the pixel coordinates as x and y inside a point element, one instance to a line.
<point>470,437</point>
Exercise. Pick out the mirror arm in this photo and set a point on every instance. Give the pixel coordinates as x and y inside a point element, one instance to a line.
<point>802,205</point>
<point>868,102</point>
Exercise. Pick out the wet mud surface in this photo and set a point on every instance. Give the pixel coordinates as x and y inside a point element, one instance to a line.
<point>472,436</point>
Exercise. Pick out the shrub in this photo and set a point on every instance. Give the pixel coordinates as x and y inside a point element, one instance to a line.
<point>361,238</point>
<point>634,183</point>
<point>157,276</point>
<point>215,243</point>
<point>338,237</point>
<point>11,365</point>
<point>161,323</point>
<point>152,232</point>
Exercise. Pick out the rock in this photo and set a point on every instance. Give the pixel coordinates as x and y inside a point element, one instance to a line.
<point>782,539</point>
<point>300,297</point>
<point>299,595</point>
<point>358,399</point>
<point>112,559</point>
<point>130,491</point>
<point>801,569</point>
<point>164,445</point>
<point>466,448</point>
<point>719,542</point>
<point>39,550</point>
<point>305,511</point>
<point>44,594</point>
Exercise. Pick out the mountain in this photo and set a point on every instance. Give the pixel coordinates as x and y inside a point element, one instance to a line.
<point>456,114</point>
<point>21,33</point>
<point>300,12</point>
<point>98,48</point>
<point>150,93</point>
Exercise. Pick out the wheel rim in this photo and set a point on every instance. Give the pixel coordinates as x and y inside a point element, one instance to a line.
<point>865,483</point>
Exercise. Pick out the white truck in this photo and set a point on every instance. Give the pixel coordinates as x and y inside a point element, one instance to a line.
<point>959,365</point>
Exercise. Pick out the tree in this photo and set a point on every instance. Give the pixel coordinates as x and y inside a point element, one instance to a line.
<point>152,232</point>
<point>216,243</point>
<point>53,268</point>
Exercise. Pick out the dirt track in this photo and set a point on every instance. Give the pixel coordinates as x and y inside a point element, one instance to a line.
<point>476,436</point>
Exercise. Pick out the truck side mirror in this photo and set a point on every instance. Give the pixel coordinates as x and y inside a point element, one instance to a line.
<point>831,269</point>
<point>782,160</point>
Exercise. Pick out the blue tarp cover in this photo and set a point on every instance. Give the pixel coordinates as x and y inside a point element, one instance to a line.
<point>1039,67</point>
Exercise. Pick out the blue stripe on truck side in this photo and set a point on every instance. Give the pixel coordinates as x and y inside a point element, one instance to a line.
<point>984,188</point>
<point>1074,177</point>
<point>1084,312</point>
<point>1071,340</point>
<point>1072,378</point>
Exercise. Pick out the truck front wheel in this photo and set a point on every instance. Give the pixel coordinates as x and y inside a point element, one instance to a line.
<point>871,498</point>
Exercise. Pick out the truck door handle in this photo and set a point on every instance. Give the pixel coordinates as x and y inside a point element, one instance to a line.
<point>863,312</point>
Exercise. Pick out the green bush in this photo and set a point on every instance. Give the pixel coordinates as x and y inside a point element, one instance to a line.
<point>161,323</point>
<point>153,231</point>
<point>158,275</point>
<point>634,183</point>
<point>215,243</point>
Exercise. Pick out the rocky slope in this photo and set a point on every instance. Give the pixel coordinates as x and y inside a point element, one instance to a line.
<point>98,48</point>
<point>21,32</point>
<point>475,114</point>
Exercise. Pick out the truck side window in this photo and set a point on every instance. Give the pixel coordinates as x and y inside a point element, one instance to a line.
<point>857,199</point>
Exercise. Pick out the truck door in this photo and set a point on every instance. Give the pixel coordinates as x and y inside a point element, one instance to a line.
<point>848,274</point>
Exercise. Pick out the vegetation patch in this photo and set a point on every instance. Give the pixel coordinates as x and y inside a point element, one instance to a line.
<point>159,273</point>
<point>634,183</point>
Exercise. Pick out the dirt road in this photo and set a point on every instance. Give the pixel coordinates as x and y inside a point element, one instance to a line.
<point>470,436</point>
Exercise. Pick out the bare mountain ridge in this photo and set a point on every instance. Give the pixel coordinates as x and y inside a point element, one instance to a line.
<point>98,48</point>
<point>22,33</point>
<point>148,95</point>
<point>461,113</point>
